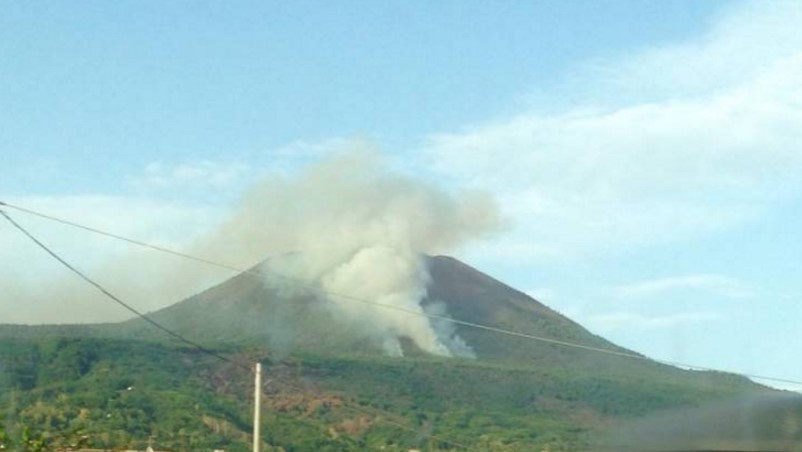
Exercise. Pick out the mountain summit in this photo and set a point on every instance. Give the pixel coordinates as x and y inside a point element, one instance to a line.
<point>496,391</point>
<point>249,309</point>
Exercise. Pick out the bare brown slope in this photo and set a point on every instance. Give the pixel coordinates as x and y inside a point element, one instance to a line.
<point>475,297</point>
<point>243,310</point>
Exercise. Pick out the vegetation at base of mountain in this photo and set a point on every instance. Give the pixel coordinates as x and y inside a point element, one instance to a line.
<point>55,391</point>
<point>114,392</point>
<point>328,386</point>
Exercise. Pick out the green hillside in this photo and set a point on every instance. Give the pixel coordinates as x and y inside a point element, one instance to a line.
<point>328,386</point>
<point>122,393</point>
<point>245,310</point>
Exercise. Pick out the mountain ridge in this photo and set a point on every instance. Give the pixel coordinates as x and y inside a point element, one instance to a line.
<point>516,395</point>
<point>243,309</point>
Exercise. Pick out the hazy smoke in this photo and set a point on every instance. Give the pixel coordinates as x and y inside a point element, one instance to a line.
<point>358,230</point>
<point>352,227</point>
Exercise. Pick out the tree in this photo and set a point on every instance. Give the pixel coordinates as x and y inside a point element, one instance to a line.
<point>4,444</point>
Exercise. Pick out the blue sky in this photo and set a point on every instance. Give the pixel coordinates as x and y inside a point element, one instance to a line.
<point>128,83</point>
<point>646,154</point>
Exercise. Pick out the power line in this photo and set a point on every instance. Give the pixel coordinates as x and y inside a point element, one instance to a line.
<point>116,299</point>
<point>444,318</point>
<point>181,338</point>
<point>317,289</point>
<point>122,238</point>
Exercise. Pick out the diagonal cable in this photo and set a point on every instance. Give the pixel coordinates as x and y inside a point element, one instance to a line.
<point>99,287</point>
<point>444,318</point>
<point>116,299</point>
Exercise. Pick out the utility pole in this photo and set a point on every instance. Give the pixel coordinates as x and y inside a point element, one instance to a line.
<point>257,408</point>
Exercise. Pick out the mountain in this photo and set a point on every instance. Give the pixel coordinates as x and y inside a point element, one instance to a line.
<point>330,387</point>
<point>245,310</point>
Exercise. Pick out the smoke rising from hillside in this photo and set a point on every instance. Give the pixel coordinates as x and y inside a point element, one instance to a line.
<point>352,226</point>
<point>356,229</point>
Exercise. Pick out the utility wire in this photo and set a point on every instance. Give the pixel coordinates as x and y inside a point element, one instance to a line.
<point>444,318</point>
<point>116,299</point>
<point>120,237</point>
<point>317,289</point>
<point>98,286</point>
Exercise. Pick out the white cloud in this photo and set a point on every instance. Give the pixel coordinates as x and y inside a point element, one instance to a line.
<point>311,150</point>
<point>690,161</point>
<point>713,284</point>
<point>201,177</point>
<point>37,289</point>
<point>204,174</point>
<point>292,157</point>
<point>628,321</point>
<point>739,45</point>
<point>174,205</point>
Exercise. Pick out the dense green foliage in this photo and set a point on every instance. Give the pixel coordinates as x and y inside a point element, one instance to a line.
<point>121,393</point>
<point>115,393</point>
<point>328,385</point>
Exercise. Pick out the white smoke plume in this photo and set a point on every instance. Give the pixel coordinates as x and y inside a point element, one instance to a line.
<point>356,229</point>
<point>352,226</point>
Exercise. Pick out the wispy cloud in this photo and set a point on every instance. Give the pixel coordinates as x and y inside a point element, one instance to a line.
<point>204,174</point>
<point>23,296</point>
<point>611,322</point>
<point>646,168</point>
<point>170,204</point>
<point>714,284</point>
<point>196,177</point>
<point>740,45</point>
<point>296,155</point>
